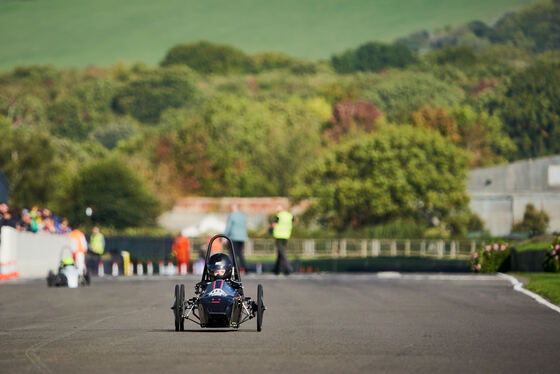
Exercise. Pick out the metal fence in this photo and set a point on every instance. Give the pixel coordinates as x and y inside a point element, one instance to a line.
<point>160,248</point>
<point>310,248</point>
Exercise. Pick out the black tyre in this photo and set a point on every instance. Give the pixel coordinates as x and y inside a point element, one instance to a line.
<point>177,308</point>
<point>61,280</point>
<point>181,305</point>
<point>260,307</point>
<point>51,279</point>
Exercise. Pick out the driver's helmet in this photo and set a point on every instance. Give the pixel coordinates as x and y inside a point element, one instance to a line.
<point>66,261</point>
<point>219,266</point>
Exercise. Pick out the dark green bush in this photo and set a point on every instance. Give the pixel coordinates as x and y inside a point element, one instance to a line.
<point>460,56</point>
<point>209,58</point>
<point>303,68</point>
<point>70,118</point>
<point>530,110</point>
<point>273,60</point>
<point>148,95</point>
<point>374,56</point>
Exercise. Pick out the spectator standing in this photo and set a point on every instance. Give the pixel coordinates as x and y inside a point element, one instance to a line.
<point>80,249</point>
<point>48,226</point>
<point>35,219</point>
<point>182,251</point>
<point>63,228</point>
<point>236,230</point>
<point>3,210</point>
<point>9,219</point>
<point>97,241</point>
<point>25,224</point>
<point>282,231</point>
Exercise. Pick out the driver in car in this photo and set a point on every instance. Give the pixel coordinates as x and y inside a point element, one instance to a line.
<point>220,267</point>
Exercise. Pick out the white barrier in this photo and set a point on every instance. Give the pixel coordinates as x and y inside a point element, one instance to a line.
<point>30,255</point>
<point>115,270</point>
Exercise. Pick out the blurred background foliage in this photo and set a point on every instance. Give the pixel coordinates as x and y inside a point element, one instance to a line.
<point>377,135</point>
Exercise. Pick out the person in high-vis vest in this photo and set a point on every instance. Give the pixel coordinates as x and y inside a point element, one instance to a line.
<point>96,244</point>
<point>80,248</point>
<point>282,231</point>
<point>181,250</point>
<point>97,241</point>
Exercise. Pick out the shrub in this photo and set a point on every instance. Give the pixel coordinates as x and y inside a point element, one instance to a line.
<point>490,259</point>
<point>459,56</point>
<point>70,118</point>
<point>303,68</point>
<point>272,60</point>
<point>374,56</point>
<point>534,222</point>
<point>209,58</point>
<point>147,96</point>
<point>551,262</point>
<point>402,93</point>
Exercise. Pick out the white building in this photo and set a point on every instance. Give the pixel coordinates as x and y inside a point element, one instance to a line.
<point>499,194</point>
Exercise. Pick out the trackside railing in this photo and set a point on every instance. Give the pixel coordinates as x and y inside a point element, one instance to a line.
<point>160,248</point>
<point>310,248</point>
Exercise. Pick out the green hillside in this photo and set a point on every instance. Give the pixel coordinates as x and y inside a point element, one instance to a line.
<point>102,32</point>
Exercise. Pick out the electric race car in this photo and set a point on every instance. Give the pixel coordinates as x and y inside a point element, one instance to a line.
<point>67,274</point>
<point>219,299</point>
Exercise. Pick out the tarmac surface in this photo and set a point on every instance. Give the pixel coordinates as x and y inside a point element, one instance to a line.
<point>386,323</point>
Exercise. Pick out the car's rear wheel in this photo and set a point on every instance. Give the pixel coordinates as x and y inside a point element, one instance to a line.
<point>260,307</point>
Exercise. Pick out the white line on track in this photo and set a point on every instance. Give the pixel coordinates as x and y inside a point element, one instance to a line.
<point>518,286</point>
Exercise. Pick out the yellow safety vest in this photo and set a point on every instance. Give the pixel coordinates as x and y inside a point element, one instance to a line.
<point>283,228</point>
<point>96,242</point>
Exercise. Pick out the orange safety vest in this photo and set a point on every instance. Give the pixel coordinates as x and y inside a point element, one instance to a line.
<point>80,239</point>
<point>182,247</point>
<point>216,245</point>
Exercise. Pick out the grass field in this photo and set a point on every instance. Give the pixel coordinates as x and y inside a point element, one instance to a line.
<point>545,284</point>
<point>102,32</point>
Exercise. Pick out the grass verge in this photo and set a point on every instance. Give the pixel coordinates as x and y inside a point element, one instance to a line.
<point>545,284</point>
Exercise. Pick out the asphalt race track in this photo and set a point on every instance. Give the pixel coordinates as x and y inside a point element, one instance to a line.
<point>313,324</point>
